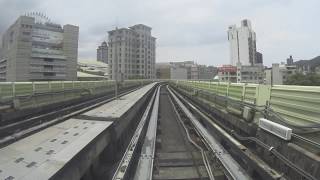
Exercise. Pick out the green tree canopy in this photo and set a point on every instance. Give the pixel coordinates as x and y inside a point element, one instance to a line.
<point>311,79</point>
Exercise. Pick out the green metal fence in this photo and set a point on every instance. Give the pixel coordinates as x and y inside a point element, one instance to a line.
<point>33,94</point>
<point>298,105</point>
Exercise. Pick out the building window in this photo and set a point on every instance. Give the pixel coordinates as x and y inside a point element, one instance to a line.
<point>26,33</point>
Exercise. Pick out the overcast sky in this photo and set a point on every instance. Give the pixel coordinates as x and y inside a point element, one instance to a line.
<point>186,29</point>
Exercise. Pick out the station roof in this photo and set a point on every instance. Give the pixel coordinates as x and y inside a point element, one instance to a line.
<point>83,74</point>
<point>92,63</point>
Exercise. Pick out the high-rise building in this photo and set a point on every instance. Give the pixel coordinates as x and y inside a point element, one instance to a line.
<point>242,44</point>
<point>133,50</point>
<point>290,60</point>
<point>102,52</point>
<point>259,58</point>
<point>35,49</point>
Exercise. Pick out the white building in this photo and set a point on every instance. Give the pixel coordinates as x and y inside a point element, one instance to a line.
<point>242,44</point>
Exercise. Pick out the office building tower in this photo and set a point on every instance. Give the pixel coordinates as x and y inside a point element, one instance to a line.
<point>133,50</point>
<point>242,42</point>
<point>102,52</point>
<point>290,60</point>
<point>35,49</point>
<point>259,58</point>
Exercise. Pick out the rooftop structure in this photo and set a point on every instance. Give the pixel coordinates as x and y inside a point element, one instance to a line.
<point>95,68</point>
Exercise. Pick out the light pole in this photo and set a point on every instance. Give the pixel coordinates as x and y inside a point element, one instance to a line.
<point>116,62</point>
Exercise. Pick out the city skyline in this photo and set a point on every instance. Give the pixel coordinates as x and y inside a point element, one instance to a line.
<point>186,30</point>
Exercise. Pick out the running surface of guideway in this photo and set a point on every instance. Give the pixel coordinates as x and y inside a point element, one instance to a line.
<point>174,147</point>
<point>176,158</point>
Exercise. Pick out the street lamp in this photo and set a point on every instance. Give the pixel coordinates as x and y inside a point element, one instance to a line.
<point>118,39</point>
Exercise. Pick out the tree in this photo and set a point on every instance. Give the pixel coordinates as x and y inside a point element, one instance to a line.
<point>311,79</point>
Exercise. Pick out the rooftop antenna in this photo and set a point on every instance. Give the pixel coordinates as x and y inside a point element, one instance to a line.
<point>117,22</point>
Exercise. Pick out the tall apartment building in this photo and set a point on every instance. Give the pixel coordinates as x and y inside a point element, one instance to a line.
<point>133,50</point>
<point>102,52</point>
<point>34,49</point>
<point>242,44</point>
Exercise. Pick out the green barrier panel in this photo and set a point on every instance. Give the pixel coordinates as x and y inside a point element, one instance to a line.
<point>214,87</point>
<point>250,93</point>
<point>296,104</point>
<point>40,87</point>
<point>235,91</point>
<point>223,89</point>
<point>24,89</point>
<point>64,90</point>
<point>6,90</point>
<point>68,85</point>
<point>56,86</point>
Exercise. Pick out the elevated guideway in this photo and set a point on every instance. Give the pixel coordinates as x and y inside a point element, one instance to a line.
<point>78,146</point>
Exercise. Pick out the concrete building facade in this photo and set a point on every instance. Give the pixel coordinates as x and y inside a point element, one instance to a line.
<point>163,70</point>
<point>133,50</point>
<point>185,70</point>
<point>242,42</point>
<point>177,72</point>
<point>207,72</point>
<point>102,52</point>
<point>279,73</point>
<point>250,74</point>
<point>227,73</point>
<point>34,49</point>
